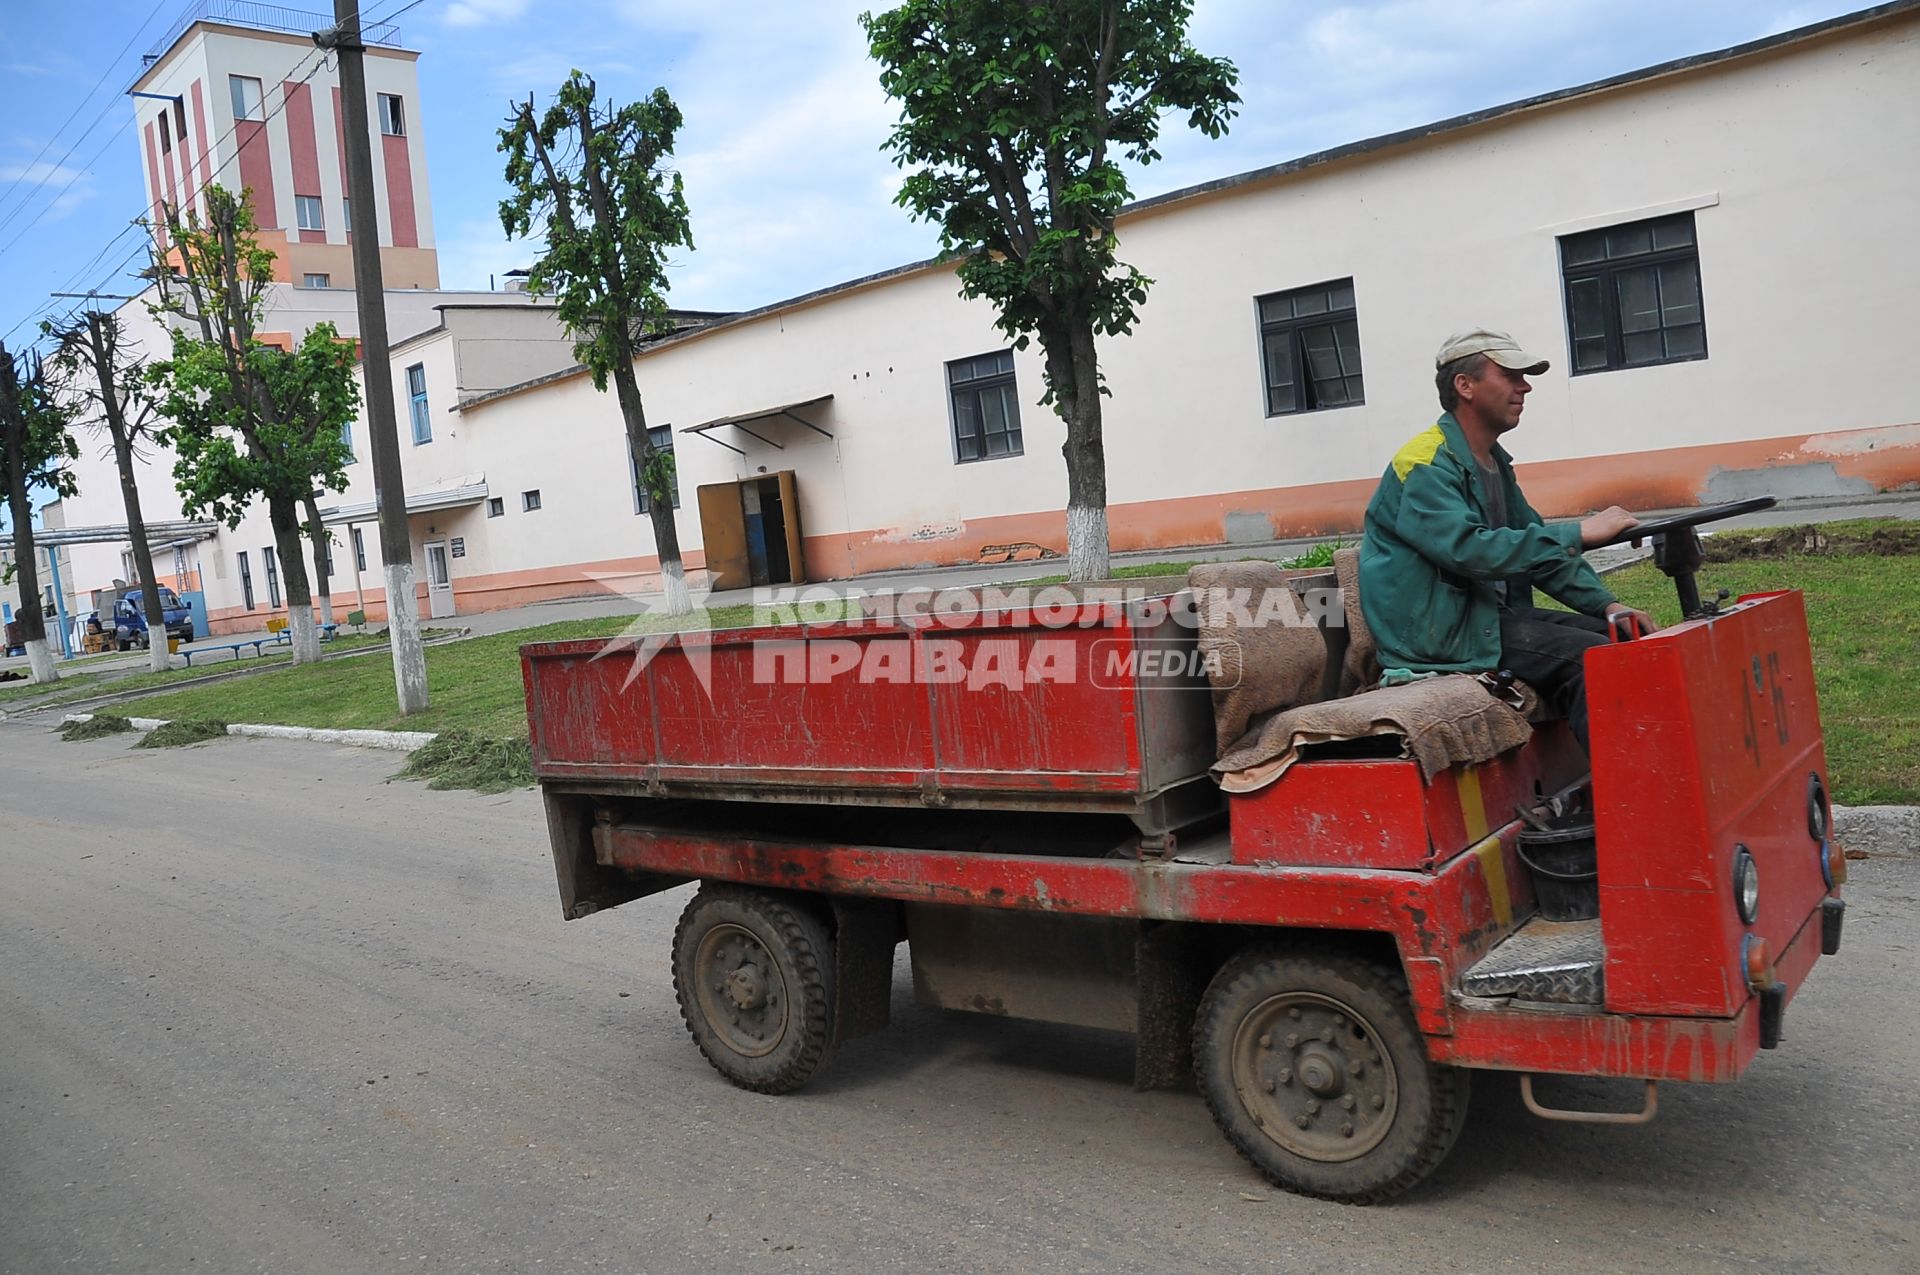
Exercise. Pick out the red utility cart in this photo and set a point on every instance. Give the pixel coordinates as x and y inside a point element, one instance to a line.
<point>1023,798</point>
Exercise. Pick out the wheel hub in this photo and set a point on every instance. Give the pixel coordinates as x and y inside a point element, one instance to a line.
<point>740,991</point>
<point>1315,1076</point>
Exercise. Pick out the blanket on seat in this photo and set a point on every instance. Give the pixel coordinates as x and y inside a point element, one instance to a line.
<point>1443,722</point>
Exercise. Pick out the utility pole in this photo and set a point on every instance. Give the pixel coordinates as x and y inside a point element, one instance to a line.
<point>389,495</point>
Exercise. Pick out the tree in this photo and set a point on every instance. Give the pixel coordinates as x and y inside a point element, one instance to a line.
<point>591,176</point>
<point>1014,120</point>
<point>35,447</point>
<point>109,384</point>
<point>248,419</point>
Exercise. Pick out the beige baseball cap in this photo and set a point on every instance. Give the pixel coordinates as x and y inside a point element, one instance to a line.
<point>1498,346</point>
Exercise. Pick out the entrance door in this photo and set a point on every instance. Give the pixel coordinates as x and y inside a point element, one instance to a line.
<point>751,532</point>
<point>439,581</point>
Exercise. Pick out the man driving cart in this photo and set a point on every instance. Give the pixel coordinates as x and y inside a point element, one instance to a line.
<point>1453,551</point>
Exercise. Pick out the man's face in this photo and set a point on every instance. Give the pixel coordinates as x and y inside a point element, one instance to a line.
<point>1496,397</point>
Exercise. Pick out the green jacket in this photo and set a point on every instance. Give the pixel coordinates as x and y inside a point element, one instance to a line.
<point>1430,559</point>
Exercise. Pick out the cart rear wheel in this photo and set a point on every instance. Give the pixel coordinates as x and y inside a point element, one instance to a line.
<point>753,971</point>
<point>1315,1070</point>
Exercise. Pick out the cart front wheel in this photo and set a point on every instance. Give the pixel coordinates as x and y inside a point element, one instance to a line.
<point>753,971</point>
<point>1315,1070</point>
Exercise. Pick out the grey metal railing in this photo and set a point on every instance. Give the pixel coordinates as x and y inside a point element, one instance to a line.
<point>264,17</point>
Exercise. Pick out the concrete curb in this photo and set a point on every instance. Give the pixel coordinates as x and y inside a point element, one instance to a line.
<point>1882,832</point>
<point>397,741</point>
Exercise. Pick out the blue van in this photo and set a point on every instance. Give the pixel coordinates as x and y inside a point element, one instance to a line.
<point>128,617</point>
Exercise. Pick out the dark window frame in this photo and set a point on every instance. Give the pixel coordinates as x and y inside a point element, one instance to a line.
<point>395,116</point>
<point>530,500</point>
<point>496,506</point>
<point>359,550</point>
<point>661,437</point>
<point>246,580</point>
<point>969,382</point>
<point>1595,262</point>
<point>271,561</point>
<point>1331,306</point>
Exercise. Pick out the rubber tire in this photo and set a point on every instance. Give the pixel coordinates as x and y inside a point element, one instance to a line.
<point>802,948</point>
<point>1432,1104</point>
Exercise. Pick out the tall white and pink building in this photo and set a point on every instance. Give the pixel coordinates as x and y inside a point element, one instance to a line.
<point>238,94</point>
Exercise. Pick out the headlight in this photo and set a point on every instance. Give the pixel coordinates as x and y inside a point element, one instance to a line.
<point>1746,885</point>
<point>1819,813</point>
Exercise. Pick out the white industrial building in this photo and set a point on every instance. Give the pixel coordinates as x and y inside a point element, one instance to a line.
<point>1717,252</point>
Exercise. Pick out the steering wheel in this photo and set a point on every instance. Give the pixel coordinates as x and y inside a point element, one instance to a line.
<point>1691,518</point>
<point>1676,547</point>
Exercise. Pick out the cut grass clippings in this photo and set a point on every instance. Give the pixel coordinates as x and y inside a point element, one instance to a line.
<point>98,726</point>
<point>184,731</point>
<point>461,759</point>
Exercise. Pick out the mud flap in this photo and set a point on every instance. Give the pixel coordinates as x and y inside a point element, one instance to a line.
<point>866,931</point>
<point>1169,989</point>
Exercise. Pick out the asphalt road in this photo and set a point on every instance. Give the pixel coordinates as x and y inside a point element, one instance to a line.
<point>261,1010</point>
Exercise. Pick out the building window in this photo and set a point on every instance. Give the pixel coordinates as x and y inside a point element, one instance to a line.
<point>247,98</point>
<point>346,215</point>
<point>359,550</point>
<point>246,581</point>
<point>496,506</point>
<point>1310,345</point>
<point>393,121</point>
<point>530,500</point>
<point>166,135</point>
<point>346,440</point>
<point>327,549</point>
<point>308,213</point>
<point>311,280</point>
<point>417,403</point>
<point>180,120</point>
<point>1633,294</point>
<point>986,413</point>
<point>272,564</point>
<point>660,438</point>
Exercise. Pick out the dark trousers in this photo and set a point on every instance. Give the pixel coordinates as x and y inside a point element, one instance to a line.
<point>1545,649</point>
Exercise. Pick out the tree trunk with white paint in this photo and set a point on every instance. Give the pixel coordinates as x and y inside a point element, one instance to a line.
<point>403,630</point>
<point>293,571</point>
<point>1073,373</point>
<point>40,661</point>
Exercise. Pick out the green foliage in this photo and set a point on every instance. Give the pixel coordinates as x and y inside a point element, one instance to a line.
<point>1319,555</point>
<point>1014,120</point>
<point>461,759</point>
<point>591,178</point>
<point>246,418</point>
<point>180,733</point>
<point>36,444</point>
<point>98,726</point>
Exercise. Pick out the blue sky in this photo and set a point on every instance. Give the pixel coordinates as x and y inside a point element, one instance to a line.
<point>788,188</point>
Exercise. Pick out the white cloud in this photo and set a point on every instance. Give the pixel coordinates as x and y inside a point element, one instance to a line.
<point>479,13</point>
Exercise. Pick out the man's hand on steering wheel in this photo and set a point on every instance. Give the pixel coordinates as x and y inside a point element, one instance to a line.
<point>1605,526</point>
<point>1642,622</point>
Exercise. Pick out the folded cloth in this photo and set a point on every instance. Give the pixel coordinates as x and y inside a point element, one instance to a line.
<point>1261,648</point>
<point>1443,722</point>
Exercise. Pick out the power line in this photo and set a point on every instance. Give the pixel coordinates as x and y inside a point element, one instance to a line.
<point>195,193</point>
<point>80,106</point>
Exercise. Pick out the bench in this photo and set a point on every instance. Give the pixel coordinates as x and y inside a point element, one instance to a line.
<point>277,635</point>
